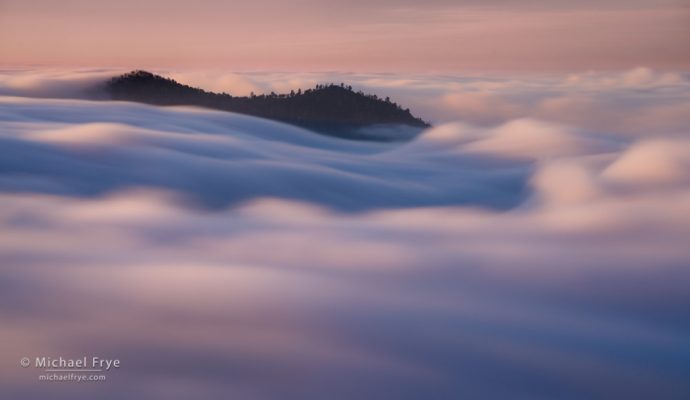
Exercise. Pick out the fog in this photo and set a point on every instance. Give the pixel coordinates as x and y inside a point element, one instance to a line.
<point>531,245</point>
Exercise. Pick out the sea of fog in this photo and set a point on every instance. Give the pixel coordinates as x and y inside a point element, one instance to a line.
<point>533,244</point>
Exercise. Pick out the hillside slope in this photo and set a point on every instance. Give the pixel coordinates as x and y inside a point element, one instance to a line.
<point>330,109</point>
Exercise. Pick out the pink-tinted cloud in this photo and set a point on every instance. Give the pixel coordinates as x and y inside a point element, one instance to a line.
<point>219,255</point>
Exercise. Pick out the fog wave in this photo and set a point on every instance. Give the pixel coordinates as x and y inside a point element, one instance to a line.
<point>224,256</point>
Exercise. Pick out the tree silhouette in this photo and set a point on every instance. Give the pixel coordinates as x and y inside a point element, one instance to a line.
<point>328,108</point>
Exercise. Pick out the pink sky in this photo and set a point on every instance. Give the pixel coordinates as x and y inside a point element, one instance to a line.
<point>375,35</point>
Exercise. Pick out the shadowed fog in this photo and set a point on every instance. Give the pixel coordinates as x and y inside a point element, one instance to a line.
<point>533,244</point>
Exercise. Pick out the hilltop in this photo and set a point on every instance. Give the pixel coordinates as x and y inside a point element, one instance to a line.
<point>330,109</point>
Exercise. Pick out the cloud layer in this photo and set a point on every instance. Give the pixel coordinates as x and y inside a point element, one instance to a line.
<point>223,256</point>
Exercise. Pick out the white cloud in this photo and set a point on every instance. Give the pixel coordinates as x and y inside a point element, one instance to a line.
<point>241,256</point>
<point>653,162</point>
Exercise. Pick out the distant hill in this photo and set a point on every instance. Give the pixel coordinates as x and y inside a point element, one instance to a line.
<point>330,109</point>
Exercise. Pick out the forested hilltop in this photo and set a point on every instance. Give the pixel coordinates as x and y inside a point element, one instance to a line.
<point>330,109</point>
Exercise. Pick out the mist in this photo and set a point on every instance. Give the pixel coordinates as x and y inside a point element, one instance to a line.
<point>532,244</point>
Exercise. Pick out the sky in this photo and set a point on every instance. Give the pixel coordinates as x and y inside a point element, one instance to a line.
<point>362,36</point>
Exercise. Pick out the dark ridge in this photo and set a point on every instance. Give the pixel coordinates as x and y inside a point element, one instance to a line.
<point>331,109</point>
